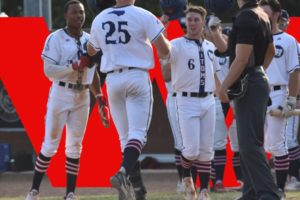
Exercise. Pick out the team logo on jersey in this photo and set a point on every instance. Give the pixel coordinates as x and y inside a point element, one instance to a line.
<point>210,54</point>
<point>279,51</point>
<point>222,61</point>
<point>117,12</point>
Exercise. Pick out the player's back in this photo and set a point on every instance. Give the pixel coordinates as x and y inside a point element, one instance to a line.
<point>125,35</point>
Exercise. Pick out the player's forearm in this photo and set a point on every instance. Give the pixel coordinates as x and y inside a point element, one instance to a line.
<point>219,41</point>
<point>163,47</point>
<point>294,82</point>
<point>218,84</point>
<point>54,71</point>
<point>95,86</point>
<point>166,70</point>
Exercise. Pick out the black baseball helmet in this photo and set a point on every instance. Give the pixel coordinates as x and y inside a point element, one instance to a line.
<point>96,6</point>
<point>174,9</point>
<point>218,6</point>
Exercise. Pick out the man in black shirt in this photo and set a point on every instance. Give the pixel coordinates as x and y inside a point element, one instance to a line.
<point>251,49</point>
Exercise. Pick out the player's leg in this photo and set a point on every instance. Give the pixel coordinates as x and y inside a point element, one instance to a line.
<point>76,125</point>
<point>136,179</point>
<point>189,124</point>
<point>220,141</point>
<point>294,153</point>
<point>207,131</point>
<point>171,111</point>
<point>55,119</point>
<point>139,104</point>
<point>236,154</point>
<point>116,90</point>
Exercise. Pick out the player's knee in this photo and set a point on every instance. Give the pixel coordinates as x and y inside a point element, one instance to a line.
<point>206,156</point>
<point>190,154</point>
<point>48,150</point>
<point>235,147</point>
<point>278,150</point>
<point>140,136</point>
<point>74,150</point>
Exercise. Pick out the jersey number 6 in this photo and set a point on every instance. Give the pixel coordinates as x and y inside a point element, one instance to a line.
<point>112,29</point>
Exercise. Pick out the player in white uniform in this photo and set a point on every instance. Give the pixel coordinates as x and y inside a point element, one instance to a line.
<point>283,74</point>
<point>124,34</point>
<point>193,67</point>
<point>213,32</point>
<point>291,128</point>
<point>71,74</point>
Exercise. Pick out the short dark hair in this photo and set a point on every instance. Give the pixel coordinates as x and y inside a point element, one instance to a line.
<point>70,2</point>
<point>274,5</point>
<point>197,9</point>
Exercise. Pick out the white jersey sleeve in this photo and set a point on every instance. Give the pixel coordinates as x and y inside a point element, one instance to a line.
<point>153,26</point>
<point>52,50</point>
<point>94,39</point>
<point>292,59</point>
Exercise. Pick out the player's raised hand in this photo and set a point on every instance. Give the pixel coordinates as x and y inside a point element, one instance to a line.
<point>103,110</point>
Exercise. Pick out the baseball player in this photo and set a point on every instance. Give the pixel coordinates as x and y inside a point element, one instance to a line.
<point>193,73</point>
<point>283,74</point>
<point>293,149</point>
<point>215,34</point>
<point>71,73</point>
<point>124,33</point>
<point>291,128</point>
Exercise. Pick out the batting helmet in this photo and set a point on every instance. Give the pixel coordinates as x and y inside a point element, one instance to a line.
<point>96,6</point>
<point>218,6</point>
<point>174,9</point>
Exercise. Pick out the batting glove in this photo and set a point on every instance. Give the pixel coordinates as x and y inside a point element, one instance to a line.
<point>84,62</point>
<point>213,22</point>
<point>103,110</point>
<point>290,105</point>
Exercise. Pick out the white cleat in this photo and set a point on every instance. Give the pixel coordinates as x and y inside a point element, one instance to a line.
<point>71,196</point>
<point>180,187</point>
<point>189,192</point>
<point>204,195</point>
<point>292,185</point>
<point>33,195</point>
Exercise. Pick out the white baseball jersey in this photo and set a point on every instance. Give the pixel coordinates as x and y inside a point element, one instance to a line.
<point>224,67</point>
<point>117,31</point>
<point>285,60</point>
<point>169,87</point>
<point>187,75</point>
<point>60,51</point>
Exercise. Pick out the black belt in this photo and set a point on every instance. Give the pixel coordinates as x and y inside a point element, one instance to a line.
<point>192,94</point>
<point>120,70</point>
<point>73,86</point>
<point>277,87</point>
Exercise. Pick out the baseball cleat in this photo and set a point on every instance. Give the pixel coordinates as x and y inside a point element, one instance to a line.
<point>71,196</point>
<point>204,195</point>
<point>33,195</point>
<point>120,182</point>
<point>292,185</point>
<point>180,187</point>
<point>189,192</point>
<point>218,187</point>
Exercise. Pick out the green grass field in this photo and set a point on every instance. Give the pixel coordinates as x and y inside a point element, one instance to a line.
<point>162,196</point>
